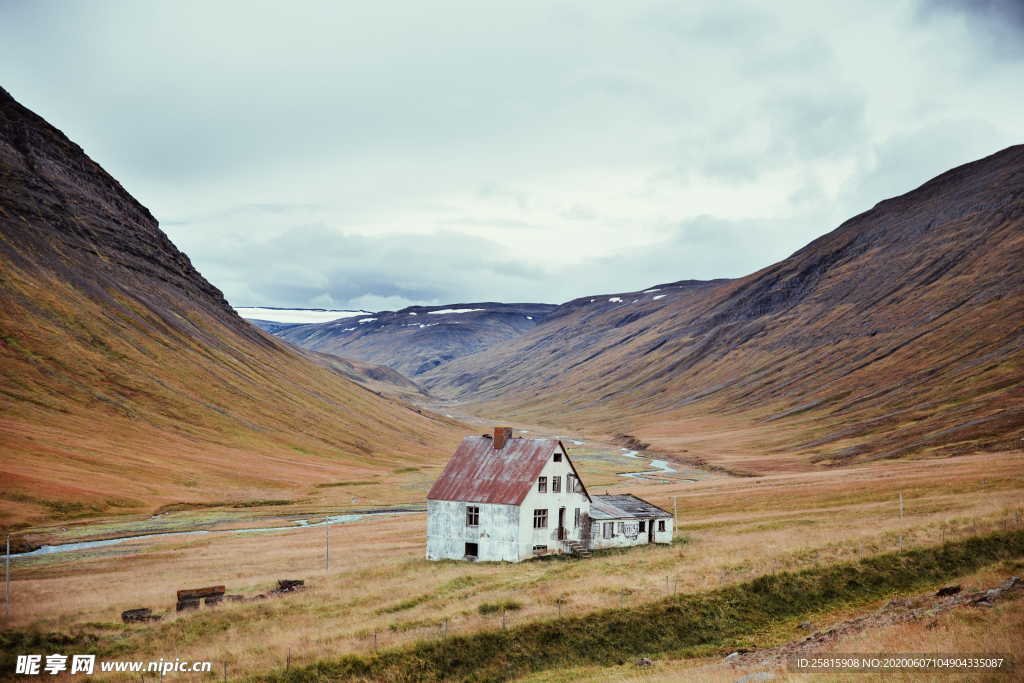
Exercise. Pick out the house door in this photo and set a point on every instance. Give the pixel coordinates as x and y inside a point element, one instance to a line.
<point>561,524</point>
<point>650,531</point>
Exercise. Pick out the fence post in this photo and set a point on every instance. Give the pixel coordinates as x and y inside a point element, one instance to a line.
<point>7,577</point>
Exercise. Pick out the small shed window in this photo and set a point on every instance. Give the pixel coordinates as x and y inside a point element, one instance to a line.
<point>542,485</point>
<point>472,515</point>
<point>661,525</point>
<point>540,519</point>
<point>558,456</point>
<point>576,519</point>
<point>643,525</point>
<point>556,484</point>
<point>608,527</point>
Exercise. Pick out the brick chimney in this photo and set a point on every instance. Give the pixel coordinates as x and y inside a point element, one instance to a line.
<point>501,436</point>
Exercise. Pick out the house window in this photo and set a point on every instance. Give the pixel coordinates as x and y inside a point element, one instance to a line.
<point>540,519</point>
<point>661,525</point>
<point>540,549</point>
<point>576,519</point>
<point>556,484</point>
<point>472,515</point>
<point>643,526</point>
<point>608,527</point>
<point>542,485</point>
<point>472,550</point>
<point>558,457</point>
<point>621,526</point>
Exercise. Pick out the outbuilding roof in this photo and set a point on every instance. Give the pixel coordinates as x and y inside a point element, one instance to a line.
<point>625,506</point>
<point>481,473</point>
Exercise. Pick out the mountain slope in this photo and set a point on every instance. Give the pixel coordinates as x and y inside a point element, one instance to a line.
<point>126,381</point>
<point>902,331</point>
<point>416,339</point>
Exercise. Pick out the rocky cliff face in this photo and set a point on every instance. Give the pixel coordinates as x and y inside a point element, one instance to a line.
<point>63,214</point>
<point>902,331</point>
<point>126,380</point>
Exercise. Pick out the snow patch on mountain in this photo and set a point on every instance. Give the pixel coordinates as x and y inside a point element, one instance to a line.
<point>294,315</point>
<point>454,310</point>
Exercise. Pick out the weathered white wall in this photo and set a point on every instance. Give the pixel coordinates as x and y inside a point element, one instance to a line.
<point>496,536</point>
<point>528,536</point>
<point>666,535</point>
<point>626,533</point>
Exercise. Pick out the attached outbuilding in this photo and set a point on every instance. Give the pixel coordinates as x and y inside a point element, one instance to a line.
<point>618,521</point>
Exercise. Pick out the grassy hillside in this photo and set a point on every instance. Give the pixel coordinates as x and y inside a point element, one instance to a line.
<point>127,382</point>
<point>899,332</point>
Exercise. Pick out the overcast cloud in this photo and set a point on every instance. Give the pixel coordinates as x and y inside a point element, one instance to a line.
<point>375,155</point>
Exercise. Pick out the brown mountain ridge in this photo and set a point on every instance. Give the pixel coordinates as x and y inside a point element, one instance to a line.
<point>900,332</point>
<point>126,380</point>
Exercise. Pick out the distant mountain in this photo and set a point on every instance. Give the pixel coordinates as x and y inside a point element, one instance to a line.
<point>417,339</point>
<point>127,381</point>
<point>292,316</point>
<point>902,331</point>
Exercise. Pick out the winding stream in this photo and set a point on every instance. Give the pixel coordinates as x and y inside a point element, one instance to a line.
<point>299,524</point>
<point>660,467</point>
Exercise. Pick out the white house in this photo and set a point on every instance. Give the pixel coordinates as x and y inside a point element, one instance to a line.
<point>509,499</point>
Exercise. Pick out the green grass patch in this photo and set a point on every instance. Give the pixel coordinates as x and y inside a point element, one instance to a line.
<point>344,483</point>
<point>501,606</point>
<point>405,604</point>
<point>262,503</point>
<point>460,582</point>
<point>682,623</point>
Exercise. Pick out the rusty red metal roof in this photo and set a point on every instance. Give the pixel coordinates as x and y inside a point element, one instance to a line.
<point>481,473</point>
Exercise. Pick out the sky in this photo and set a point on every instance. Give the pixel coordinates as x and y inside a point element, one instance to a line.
<point>375,155</point>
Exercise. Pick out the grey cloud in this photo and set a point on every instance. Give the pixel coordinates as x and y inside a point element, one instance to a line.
<point>274,209</point>
<point>316,263</point>
<point>361,154</point>
<point>998,23</point>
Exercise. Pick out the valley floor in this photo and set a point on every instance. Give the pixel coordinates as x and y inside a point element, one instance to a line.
<point>380,592</point>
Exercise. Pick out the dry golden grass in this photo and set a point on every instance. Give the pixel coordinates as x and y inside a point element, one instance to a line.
<point>730,529</point>
<point>998,630</point>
